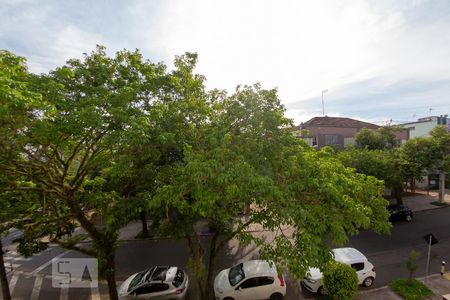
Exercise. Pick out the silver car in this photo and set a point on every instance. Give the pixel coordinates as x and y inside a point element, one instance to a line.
<point>156,283</point>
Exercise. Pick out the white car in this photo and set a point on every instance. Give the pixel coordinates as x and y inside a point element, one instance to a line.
<point>156,283</point>
<point>350,256</point>
<point>252,280</point>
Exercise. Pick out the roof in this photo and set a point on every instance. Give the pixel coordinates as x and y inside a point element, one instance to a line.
<point>336,122</point>
<point>348,255</point>
<point>259,267</point>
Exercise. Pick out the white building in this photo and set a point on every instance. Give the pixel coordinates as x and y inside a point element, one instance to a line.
<point>423,126</point>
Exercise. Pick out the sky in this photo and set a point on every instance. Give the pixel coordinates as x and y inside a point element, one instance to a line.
<point>381,61</point>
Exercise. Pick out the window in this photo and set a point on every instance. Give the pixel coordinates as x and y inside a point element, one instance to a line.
<point>314,141</point>
<point>265,280</point>
<point>358,266</point>
<point>139,278</point>
<point>160,273</point>
<point>236,274</point>
<point>331,139</point>
<point>250,283</point>
<point>151,288</point>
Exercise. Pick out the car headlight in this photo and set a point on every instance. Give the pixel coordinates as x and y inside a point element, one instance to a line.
<point>219,290</point>
<point>311,280</point>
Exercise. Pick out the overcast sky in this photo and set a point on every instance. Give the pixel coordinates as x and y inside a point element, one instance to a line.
<point>380,60</point>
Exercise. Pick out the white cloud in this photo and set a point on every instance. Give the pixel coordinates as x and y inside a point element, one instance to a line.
<point>363,52</point>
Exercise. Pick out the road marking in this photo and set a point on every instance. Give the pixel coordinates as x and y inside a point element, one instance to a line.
<point>64,292</point>
<point>16,256</point>
<point>11,266</point>
<point>48,263</point>
<point>95,293</point>
<point>36,287</point>
<point>12,283</point>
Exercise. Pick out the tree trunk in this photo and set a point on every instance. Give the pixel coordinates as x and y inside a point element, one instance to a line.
<point>441,186</point>
<point>196,253</point>
<point>397,194</point>
<point>143,217</point>
<point>211,261</point>
<point>110,275</point>
<point>3,279</point>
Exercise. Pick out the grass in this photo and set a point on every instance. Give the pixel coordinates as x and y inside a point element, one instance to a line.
<point>437,203</point>
<point>410,289</point>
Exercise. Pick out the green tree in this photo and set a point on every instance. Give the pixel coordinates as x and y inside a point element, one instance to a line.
<point>340,281</point>
<point>383,138</point>
<point>88,111</point>
<point>16,101</point>
<point>411,263</point>
<point>243,158</point>
<point>440,138</point>
<point>385,165</point>
<point>417,155</point>
<point>367,138</point>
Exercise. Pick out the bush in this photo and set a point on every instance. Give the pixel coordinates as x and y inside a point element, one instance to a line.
<point>340,281</point>
<point>410,289</point>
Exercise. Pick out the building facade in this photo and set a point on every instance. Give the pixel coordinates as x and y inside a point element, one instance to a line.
<point>337,132</point>
<point>423,126</point>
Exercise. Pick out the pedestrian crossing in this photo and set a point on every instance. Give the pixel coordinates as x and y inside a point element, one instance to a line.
<point>13,260</point>
<point>36,283</point>
<point>39,287</point>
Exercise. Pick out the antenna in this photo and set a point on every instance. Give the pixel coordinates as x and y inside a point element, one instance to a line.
<point>323,107</point>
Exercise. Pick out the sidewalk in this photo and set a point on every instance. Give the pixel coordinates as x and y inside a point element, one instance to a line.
<point>440,285</point>
<point>422,201</point>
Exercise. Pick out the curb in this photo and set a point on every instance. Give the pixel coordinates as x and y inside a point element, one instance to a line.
<point>363,292</point>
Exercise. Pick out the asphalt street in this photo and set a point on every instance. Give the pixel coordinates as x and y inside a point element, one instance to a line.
<point>31,278</point>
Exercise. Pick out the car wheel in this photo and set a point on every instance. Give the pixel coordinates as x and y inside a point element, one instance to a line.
<point>228,298</point>
<point>276,296</point>
<point>321,291</point>
<point>368,282</point>
<point>408,218</point>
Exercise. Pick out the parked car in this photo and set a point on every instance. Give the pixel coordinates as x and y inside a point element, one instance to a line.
<point>156,283</point>
<point>252,280</point>
<point>350,256</point>
<point>400,212</point>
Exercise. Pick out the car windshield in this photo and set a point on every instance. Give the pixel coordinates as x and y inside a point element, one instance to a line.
<point>139,278</point>
<point>236,274</point>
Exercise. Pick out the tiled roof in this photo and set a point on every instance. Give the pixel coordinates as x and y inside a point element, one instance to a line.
<point>336,122</point>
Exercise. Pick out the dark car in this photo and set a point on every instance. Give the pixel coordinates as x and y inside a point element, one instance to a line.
<point>400,212</point>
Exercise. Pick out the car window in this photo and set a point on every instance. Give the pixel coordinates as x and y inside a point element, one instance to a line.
<point>138,279</point>
<point>179,278</point>
<point>159,273</point>
<point>265,280</point>
<point>358,266</point>
<point>250,283</point>
<point>236,274</point>
<point>152,288</point>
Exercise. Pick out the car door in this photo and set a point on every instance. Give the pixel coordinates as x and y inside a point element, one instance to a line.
<point>360,271</point>
<point>248,290</point>
<point>255,288</point>
<point>266,287</point>
<point>152,291</point>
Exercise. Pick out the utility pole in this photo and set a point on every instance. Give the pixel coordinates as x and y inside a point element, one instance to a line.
<point>323,107</point>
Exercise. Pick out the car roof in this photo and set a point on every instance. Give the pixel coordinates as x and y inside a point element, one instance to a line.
<point>162,273</point>
<point>259,267</point>
<point>348,255</point>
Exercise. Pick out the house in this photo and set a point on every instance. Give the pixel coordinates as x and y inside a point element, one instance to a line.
<point>423,126</point>
<point>336,131</point>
